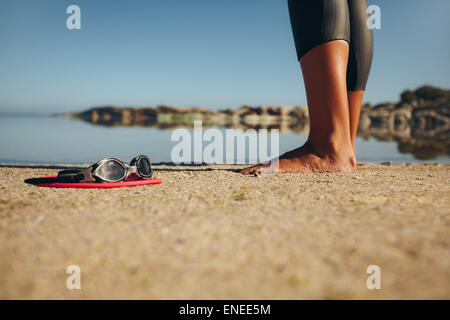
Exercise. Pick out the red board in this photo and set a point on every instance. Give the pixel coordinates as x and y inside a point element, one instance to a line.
<point>98,185</point>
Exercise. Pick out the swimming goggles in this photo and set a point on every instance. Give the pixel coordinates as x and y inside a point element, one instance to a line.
<point>110,170</point>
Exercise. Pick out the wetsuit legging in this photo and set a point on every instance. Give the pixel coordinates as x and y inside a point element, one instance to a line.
<point>315,22</point>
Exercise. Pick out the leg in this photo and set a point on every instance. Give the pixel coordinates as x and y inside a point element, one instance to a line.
<point>321,31</point>
<point>360,60</point>
<point>329,147</point>
<point>355,99</point>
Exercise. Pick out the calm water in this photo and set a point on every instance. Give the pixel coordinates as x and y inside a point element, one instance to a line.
<point>45,139</point>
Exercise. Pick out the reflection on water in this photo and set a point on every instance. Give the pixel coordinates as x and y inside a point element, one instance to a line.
<point>34,139</point>
<point>411,143</point>
<point>422,130</point>
<point>425,149</point>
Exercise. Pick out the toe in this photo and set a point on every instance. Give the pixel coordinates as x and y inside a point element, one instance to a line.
<point>259,170</point>
<point>251,171</point>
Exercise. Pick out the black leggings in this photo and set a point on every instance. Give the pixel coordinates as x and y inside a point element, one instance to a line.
<point>315,22</point>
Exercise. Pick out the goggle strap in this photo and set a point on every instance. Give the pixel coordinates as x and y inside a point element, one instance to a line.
<point>70,175</point>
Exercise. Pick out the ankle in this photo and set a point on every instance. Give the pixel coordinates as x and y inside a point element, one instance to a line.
<point>339,153</point>
<point>331,147</point>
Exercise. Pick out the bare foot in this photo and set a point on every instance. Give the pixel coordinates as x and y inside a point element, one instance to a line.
<point>307,160</point>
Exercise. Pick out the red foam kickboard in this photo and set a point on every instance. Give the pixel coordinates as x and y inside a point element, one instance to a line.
<point>99,185</point>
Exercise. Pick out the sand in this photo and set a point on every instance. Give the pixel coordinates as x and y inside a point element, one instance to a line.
<point>210,233</point>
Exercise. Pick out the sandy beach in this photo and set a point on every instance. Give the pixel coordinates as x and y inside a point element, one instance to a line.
<point>209,233</point>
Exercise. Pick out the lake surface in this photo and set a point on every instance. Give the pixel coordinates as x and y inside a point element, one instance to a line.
<point>47,139</point>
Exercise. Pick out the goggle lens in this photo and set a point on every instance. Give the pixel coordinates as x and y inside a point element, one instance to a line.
<point>144,167</point>
<point>111,170</point>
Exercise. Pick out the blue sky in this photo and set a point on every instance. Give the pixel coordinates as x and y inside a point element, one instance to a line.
<point>216,54</point>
